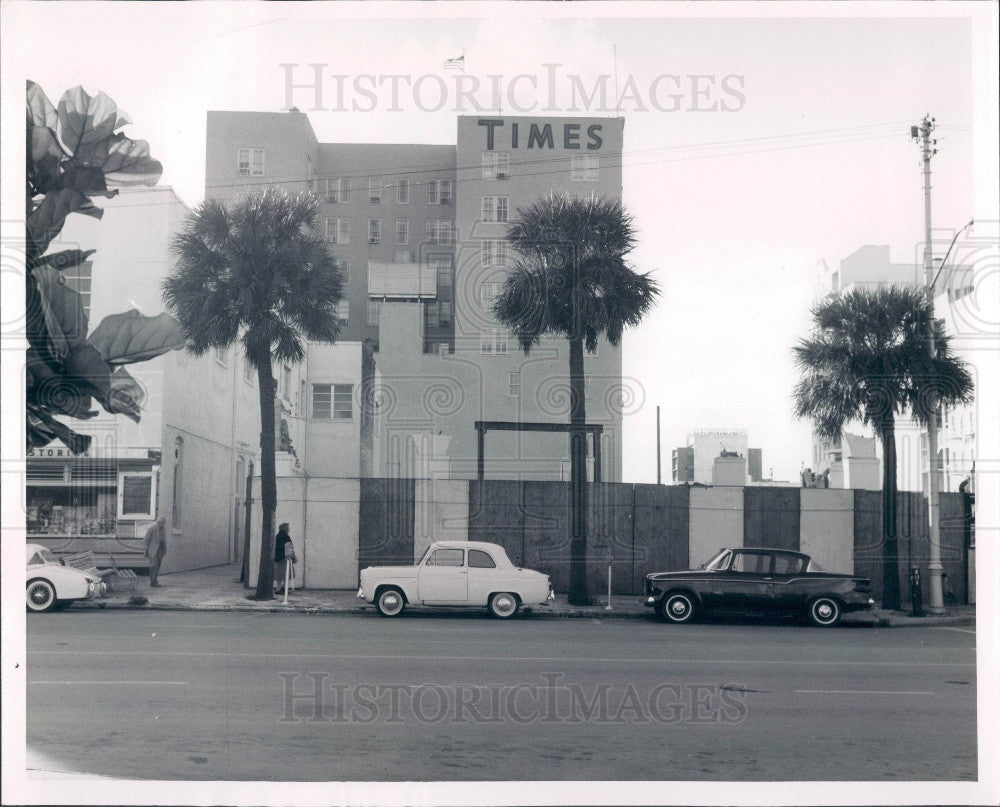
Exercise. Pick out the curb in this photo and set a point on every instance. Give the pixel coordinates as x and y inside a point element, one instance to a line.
<point>879,621</point>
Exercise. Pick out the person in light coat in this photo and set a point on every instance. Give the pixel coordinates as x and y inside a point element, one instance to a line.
<point>156,548</point>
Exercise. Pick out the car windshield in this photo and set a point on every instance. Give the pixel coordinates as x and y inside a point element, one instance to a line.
<point>720,561</point>
<point>424,555</point>
<point>43,555</point>
<point>814,566</point>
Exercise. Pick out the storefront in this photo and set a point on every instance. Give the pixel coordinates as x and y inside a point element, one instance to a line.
<point>95,502</point>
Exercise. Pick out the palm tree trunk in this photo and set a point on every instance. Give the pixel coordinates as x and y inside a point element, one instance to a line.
<point>890,553</point>
<point>268,484</point>
<point>578,594</point>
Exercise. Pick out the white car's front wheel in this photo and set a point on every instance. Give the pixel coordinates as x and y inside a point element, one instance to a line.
<point>390,602</point>
<point>40,595</point>
<point>503,605</point>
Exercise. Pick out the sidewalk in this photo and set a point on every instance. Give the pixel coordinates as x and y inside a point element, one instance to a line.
<point>218,589</point>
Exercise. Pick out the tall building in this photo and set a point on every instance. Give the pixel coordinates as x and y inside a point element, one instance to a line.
<point>697,461</point>
<point>419,231</point>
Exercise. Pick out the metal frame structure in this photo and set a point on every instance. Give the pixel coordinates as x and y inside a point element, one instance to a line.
<point>483,426</point>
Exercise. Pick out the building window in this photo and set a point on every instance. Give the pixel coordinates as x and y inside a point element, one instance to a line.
<point>374,190</point>
<point>437,314</point>
<point>250,162</point>
<point>343,311</point>
<point>439,231</point>
<point>492,341</point>
<point>432,192</point>
<point>402,231</point>
<point>514,384</point>
<point>78,278</point>
<point>447,190</point>
<point>494,253</point>
<point>496,165</point>
<point>332,401</point>
<point>585,168</point>
<point>178,481</point>
<point>495,208</point>
<point>136,499</point>
<point>338,190</point>
<point>338,231</point>
<point>222,355</point>
<point>343,401</point>
<point>444,275</point>
<point>488,293</point>
<point>374,309</point>
<point>403,191</point>
<point>374,231</point>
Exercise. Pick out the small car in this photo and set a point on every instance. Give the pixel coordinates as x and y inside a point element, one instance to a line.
<point>456,573</point>
<point>758,580</point>
<point>51,586</point>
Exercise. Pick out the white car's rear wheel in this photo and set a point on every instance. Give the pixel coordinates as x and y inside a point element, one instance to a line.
<point>40,595</point>
<point>503,605</point>
<point>390,602</point>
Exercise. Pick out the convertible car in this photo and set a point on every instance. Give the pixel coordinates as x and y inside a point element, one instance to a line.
<point>463,573</point>
<point>50,586</point>
<point>758,580</point>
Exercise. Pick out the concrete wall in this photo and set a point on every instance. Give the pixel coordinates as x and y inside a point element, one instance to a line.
<point>827,528</point>
<point>333,447</point>
<point>716,521</point>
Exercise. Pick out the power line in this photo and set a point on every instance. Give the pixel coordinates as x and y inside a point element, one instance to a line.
<point>249,183</point>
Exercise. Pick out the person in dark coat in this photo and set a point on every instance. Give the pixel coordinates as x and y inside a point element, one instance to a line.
<point>284,553</point>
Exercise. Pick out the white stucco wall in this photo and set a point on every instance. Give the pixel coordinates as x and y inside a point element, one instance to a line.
<point>826,528</point>
<point>716,520</point>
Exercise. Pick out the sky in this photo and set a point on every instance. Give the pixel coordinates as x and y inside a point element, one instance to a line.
<point>736,210</point>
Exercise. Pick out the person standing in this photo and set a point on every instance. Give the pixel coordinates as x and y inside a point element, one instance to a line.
<point>284,553</point>
<point>156,548</point>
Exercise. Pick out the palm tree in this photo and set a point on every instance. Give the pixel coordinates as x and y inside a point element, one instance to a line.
<point>571,279</point>
<point>256,273</point>
<point>868,359</point>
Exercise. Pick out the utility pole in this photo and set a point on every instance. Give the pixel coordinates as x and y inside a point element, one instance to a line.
<point>658,477</point>
<point>922,134</point>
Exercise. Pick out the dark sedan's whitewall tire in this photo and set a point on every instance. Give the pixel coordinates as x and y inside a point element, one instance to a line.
<point>503,605</point>
<point>40,595</point>
<point>676,606</point>
<point>824,612</point>
<point>390,602</point>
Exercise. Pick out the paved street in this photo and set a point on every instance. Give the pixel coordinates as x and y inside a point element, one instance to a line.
<point>184,695</point>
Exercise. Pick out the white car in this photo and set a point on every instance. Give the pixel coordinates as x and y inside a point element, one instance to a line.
<point>462,573</point>
<point>51,586</point>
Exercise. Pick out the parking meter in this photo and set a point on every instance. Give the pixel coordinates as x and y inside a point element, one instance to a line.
<point>916,592</point>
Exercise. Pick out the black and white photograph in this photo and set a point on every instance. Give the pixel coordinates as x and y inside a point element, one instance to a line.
<point>452,403</point>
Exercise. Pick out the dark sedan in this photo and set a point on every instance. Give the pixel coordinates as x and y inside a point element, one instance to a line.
<point>758,580</point>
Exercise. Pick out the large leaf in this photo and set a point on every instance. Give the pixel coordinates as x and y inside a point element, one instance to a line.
<point>66,259</point>
<point>56,392</point>
<point>42,429</point>
<point>129,163</point>
<point>46,221</point>
<point>132,337</point>
<point>63,316</point>
<point>126,396</point>
<point>41,112</point>
<point>85,119</point>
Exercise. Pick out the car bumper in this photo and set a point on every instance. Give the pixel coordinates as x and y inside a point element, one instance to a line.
<point>361,594</point>
<point>864,603</point>
<point>649,600</point>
